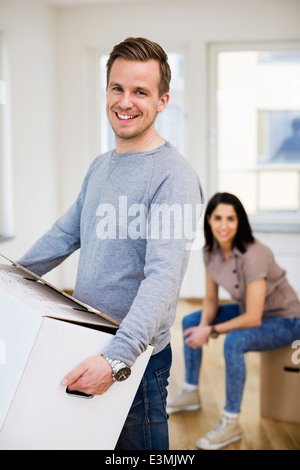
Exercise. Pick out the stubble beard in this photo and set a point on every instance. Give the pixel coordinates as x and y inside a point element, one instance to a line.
<point>138,134</point>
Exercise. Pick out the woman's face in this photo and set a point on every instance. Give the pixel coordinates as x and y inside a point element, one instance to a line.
<point>224,224</point>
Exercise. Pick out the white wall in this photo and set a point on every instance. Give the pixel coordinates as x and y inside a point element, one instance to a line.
<point>53,146</point>
<point>29,30</point>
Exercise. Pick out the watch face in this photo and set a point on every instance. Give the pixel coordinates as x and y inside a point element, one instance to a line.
<point>123,374</point>
<point>214,334</point>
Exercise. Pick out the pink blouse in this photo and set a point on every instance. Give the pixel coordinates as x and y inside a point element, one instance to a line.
<point>235,273</point>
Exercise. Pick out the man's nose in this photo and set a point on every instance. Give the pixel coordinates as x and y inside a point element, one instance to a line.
<point>125,101</point>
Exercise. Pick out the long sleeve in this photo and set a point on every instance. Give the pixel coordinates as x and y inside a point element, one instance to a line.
<point>130,267</point>
<point>56,245</point>
<point>60,241</point>
<point>171,228</point>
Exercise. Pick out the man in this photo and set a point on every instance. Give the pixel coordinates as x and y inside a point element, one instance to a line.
<point>130,266</point>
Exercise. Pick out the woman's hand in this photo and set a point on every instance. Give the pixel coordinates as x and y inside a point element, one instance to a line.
<point>197,336</point>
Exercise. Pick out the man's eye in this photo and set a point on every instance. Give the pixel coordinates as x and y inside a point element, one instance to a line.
<point>117,88</point>
<point>139,92</point>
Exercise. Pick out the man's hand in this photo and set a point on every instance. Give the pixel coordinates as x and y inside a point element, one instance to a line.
<point>93,376</point>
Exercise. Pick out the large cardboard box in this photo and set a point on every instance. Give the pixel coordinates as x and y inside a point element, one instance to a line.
<point>280,385</point>
<point>44,334</point>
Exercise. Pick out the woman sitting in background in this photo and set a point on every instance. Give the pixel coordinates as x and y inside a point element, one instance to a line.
<point>266,314</point>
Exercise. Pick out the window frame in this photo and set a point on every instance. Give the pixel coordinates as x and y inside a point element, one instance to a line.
<point>265,221</point>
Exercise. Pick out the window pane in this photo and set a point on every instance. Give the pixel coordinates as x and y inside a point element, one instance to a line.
<point>278,191</point>
<point>170,123</point>
<point>278,136</point>
<point>258,116</point>
<point>244,185</point>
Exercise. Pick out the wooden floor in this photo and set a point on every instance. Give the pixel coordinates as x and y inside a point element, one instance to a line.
<point>186,427</point>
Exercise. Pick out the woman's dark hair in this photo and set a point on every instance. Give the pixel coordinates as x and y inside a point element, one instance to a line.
<point>243,236</point>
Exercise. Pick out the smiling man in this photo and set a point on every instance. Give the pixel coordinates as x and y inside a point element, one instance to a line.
<point>132,274</point>
<point>133,104</point>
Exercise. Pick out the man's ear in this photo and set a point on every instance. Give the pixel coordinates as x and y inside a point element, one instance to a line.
<point>164,100</point>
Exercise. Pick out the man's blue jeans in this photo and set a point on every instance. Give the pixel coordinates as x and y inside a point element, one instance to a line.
<point>146,427</point>
<point>274,332</point>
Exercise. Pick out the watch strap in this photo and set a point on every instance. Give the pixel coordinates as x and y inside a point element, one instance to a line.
<point>117,367</point>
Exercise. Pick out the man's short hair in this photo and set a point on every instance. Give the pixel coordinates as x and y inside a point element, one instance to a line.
<point>141,49</point>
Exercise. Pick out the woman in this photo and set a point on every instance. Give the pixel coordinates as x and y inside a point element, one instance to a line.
<point>266,314</point>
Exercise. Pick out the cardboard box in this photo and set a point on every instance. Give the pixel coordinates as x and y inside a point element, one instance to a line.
<point>44,334</point>
<point>280,385</point>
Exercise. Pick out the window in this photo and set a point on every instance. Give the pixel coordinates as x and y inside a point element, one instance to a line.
<point>169,123</point>
<point>6,224</point>
<point>255,116</point>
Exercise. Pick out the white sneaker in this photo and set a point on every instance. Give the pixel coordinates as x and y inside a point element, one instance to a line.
<point>227,431</point>
<point>187,400</point>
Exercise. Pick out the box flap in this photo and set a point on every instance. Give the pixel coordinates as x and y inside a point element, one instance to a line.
<point>47,299</point>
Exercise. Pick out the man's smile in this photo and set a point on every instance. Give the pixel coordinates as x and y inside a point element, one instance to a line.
<point>126,117</point>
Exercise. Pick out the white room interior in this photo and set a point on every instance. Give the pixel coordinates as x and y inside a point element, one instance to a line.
<point>49,125</point>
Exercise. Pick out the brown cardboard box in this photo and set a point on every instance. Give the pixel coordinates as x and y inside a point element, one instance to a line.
<point>280,384</point>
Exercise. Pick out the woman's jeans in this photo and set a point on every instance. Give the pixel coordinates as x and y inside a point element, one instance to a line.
<point>146,427</point>
<point>274,332</point>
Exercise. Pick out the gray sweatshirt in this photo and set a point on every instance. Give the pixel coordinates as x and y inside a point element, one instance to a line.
<point>133,221</point>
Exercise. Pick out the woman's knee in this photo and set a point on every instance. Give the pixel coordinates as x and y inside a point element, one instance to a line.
<point>234,342</point>
<point>193,319</point>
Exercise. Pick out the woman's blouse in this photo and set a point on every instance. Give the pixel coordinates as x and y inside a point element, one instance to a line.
<point>235,273</point>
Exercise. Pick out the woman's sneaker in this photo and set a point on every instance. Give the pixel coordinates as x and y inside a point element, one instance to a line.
<point>187,400</point>
<point>227,431</point>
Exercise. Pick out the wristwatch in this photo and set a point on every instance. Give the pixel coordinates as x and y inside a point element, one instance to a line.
<point>214,334</point>
<point>120,371</point>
